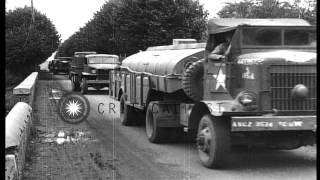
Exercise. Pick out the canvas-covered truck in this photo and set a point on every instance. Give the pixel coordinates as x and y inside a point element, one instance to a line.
<point>262,92</point>
<point>76,68</point>
<point>96,70</point>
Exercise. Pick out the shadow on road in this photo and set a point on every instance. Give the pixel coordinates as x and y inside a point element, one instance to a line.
<point>255,159</point>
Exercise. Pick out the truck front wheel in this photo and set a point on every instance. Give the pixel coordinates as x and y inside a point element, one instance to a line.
<point>213,141</point>
<point>84,86</point>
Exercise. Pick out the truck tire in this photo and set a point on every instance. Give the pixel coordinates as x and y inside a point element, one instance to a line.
<point>84,86</point>
<point>192,81</point>
<point>213,141</point>
<point>126,113</point>
<point>155,134</point>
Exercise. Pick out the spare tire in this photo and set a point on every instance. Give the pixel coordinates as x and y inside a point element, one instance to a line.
<point>192,81</point>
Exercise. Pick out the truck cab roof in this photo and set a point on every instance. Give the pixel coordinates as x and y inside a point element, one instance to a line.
<point>219,25</point>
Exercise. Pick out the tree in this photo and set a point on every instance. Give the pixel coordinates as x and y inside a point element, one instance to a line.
<point>239,10</point>
<point>30,40</point>
<point>270,9</point>
<point>124,27</point>
<point>150,23</point>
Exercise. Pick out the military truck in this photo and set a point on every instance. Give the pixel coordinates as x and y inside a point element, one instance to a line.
<point>60,65</point>
<point>261,93</point>
<point>96,71</point>
<point>76,68</point>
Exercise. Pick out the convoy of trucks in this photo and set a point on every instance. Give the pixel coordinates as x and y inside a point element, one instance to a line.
<point>261,92</point>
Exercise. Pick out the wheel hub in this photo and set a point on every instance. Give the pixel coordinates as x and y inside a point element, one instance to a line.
<point>204,140</point>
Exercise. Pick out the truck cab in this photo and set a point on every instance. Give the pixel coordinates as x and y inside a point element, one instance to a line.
<point>270,62</point>
<point>96,71</point>
<point>264,87</point>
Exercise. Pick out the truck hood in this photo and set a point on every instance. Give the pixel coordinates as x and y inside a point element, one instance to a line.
<point>279,55</point>
<point>103,66</point>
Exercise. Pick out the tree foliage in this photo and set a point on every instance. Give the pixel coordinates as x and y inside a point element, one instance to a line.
<point>271,9</point>
<point>30,40</point>
<point>124,27</point>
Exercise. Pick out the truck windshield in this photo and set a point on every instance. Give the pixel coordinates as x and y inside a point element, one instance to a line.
<point>273,37</point>
<point>300,37</point>
<point>102,60</point>
<point>261,37</point>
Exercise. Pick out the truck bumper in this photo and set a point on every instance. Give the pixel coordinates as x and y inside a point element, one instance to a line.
<point>273,123</point>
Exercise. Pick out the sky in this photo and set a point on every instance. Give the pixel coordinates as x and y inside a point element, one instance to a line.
<point>70,15</point>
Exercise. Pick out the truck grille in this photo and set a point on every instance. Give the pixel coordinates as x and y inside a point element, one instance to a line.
<point>284,78</point>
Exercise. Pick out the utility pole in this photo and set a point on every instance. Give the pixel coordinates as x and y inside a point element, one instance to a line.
<point>30,26</point>
<point>32,11</point>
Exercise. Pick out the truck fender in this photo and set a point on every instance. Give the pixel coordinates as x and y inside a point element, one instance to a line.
<point>215,108</point>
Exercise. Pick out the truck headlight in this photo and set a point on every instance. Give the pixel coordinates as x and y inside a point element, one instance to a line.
<point>247,98</point>
<point>93,71</point>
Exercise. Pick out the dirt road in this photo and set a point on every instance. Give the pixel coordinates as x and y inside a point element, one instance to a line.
<point>100,148</point>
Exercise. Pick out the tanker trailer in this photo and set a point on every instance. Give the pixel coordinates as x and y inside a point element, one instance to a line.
<point>260,92</point>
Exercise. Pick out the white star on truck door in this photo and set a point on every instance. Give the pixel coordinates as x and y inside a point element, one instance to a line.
<point>220,79</point>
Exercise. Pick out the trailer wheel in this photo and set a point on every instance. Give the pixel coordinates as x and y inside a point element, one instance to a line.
<point>213,141</point>
<point>84,86</point>
<point>126,113</point>
<point>154,133</point>
<point>192,81</point>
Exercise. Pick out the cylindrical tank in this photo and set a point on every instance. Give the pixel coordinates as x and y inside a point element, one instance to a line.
<point>165,60</point>
<point>169,64</point>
